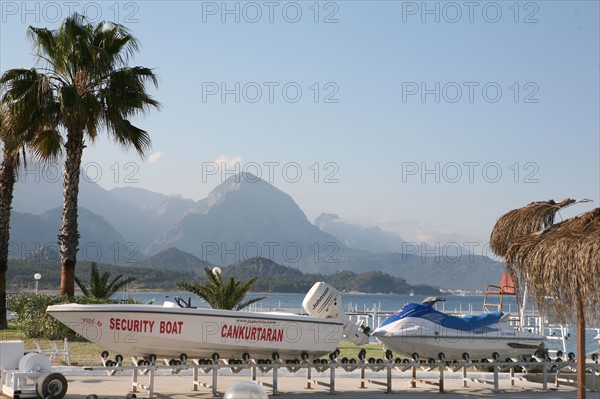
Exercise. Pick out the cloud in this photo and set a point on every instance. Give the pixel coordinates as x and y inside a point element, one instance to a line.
<point>227,161</point>
<point>413,230</point>
<point>155,157</point>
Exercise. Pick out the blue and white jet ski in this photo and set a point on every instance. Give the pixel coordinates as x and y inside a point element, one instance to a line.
<point>419,328</point>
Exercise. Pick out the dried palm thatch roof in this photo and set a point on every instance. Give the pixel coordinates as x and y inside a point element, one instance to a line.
<point>523,221</point>
<point>563,263</point>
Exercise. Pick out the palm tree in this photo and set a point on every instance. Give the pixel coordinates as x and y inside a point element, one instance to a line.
<point>220,295</point>
<point>87,86</point>
<point>100,287</point>
<point>19,131</point>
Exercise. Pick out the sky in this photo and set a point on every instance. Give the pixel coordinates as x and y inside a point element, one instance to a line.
<point>429,119</point>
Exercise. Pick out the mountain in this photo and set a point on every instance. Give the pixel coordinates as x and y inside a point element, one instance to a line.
<point>139,197</point>
<point>465,272</point>
<point>260,267</point>
<point>241,218</point>
<point>245,217</point>
<point>37,235</point>
<point>139,215</point>
<point>273,277</point>
<point>371,239</point>
<point>174,260</point>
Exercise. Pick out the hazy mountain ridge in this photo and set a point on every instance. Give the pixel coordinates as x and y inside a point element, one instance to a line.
<point>465,272</point>
<point>132,211</point>
<point>273,277</point>
<point>242,218</point>
<point>98,241</point>
<point>245,217</point>
<point>174,259</point>
<point>371,239</point>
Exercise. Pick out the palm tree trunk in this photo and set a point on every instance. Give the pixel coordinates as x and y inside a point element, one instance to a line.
<point>69,235</point>
<point>580,349</point>
<point>7,183</point>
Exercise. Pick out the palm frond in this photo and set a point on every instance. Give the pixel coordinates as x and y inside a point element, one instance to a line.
<point>82,286</point>
<point>249,302</point>
<point>221,294</point>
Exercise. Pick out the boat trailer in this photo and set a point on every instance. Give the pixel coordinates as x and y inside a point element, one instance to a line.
<point>148,367</point>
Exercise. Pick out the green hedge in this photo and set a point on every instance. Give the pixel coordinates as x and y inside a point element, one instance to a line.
<point>31,317</point>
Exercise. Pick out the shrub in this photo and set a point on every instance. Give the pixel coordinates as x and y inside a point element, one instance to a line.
<point>31,317</point>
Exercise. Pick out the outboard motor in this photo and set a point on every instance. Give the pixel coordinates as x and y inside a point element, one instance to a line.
<point>322,300</point>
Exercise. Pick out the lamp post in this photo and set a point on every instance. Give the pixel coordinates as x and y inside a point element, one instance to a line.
<point>37,278</point>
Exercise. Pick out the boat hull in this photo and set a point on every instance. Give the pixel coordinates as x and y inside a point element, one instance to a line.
<point>143,330</point>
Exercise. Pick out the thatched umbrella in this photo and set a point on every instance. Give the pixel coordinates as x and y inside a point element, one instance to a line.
<point>523,221</point>
<point>563,263</point>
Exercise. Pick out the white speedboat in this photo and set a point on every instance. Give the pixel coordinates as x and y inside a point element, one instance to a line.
<point>420,329</point>
<point>171,330</point>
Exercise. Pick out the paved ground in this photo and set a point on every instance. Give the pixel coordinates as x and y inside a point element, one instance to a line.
<point>177,386</point>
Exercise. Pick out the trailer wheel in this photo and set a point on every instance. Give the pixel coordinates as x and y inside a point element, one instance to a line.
<point>51,386</point>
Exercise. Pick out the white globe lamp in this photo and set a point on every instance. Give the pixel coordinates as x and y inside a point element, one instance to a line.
<point>37,278</point>
<point>245,390</point>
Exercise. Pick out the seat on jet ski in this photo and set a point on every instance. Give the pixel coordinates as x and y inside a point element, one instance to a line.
<point>471,322</point>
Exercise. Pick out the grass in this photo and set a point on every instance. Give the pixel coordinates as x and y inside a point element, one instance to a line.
<point>82,353</point>
<point>349,350</point>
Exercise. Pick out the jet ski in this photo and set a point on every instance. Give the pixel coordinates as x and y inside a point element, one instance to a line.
<point>419,329</point>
